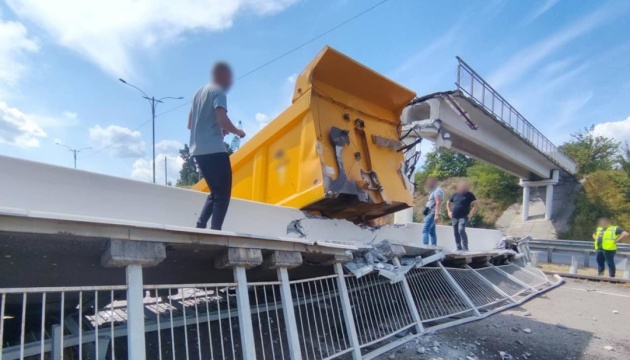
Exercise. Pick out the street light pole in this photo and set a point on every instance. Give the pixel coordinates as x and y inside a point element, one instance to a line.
<point>154,103</point>
<point>165,171</point>
<point>74,152</point>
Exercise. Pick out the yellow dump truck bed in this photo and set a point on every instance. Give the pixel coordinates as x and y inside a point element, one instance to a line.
<point>334,150</point>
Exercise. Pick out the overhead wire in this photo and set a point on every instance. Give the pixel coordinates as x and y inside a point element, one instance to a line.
<point>294,49</point>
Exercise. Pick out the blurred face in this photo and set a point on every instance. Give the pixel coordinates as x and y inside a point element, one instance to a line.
<point>222,76</point>
<point>431,183</point>
<point>603,222</point>
<point>463,186</point>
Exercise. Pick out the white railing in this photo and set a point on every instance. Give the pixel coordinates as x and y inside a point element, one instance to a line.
<point>476,88</point>
<point>332,316</point>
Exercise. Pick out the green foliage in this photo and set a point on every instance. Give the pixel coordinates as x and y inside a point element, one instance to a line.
<point>443,164</point>
<point>492,183</point>
<point>188,175</point>
<point>605,194</point>
<point>591,152</point>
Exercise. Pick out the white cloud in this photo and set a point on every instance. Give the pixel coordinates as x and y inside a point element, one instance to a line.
<point>291,79</point>
<point>18,128</point>
<point>262,119</point>
<point>107,32</point>
<point>525,60</point>
<point>14,44</point>
<point>119,141</point>
<point>540,10</point>
<point>618,130</point>
<point>167,151</point>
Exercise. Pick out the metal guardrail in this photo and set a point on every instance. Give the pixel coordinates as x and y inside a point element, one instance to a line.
<point>575,244</point>
<point>473,85</point>
<point>585,248</point>
<point>320,318</point>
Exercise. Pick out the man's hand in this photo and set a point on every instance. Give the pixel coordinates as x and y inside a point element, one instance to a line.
<point>240,133</point>
<point>450,214</point>
<point>436,217</point>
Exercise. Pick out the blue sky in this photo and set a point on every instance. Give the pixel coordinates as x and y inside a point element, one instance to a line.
<point>563,64</point>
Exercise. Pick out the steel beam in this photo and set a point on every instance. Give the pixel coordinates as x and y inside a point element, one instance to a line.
<point>289,314</point>
<point>248,345</point>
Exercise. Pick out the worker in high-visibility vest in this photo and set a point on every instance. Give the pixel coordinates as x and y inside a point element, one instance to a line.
<point>606,238</point>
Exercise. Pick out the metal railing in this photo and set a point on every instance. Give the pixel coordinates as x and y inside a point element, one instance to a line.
<point>476,88</point>
<point>333,316</point>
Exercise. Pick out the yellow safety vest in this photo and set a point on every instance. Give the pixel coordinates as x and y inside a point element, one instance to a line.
<point>608,238</point>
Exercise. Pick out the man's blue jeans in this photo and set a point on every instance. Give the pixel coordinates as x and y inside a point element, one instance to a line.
<point>459,230</point>
<point>428,230</point>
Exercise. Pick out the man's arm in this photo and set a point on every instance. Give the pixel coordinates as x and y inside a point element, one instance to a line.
<point>438,207</point>
<point>623,234</point>
<point>448,208</point>
<point>473,209</point>
<point>225,123</point>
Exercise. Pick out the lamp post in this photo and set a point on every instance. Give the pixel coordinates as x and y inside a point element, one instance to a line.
<point>154,103</point>
<point>74,152</point>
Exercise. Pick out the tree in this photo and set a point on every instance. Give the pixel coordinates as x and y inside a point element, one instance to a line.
<point>591,152</point>
<point>444,163</point>
<point>493,183</point>
<point>189,175</point>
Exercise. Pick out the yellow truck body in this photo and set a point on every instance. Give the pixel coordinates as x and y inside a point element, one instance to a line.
<point>334,150</point>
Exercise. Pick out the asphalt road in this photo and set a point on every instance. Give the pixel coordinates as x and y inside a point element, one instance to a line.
<point>579,320</point>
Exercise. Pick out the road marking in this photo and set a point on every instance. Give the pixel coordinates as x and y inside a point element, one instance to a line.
<point>599,292</point>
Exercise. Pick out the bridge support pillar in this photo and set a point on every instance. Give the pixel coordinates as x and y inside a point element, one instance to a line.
<point>549,184</point>
<point>548,201</point>
<point>525,210</point>
<point>133,256</point>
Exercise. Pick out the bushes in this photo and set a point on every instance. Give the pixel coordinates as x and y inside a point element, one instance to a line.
<point>605,194</point>
<point>492,183</point>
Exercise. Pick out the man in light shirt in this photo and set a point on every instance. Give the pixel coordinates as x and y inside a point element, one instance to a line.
<point>208,123</point>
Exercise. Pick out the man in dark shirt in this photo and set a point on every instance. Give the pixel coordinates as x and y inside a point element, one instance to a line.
<point>461,207</point>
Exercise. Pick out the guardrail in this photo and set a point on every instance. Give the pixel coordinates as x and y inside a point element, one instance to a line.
<point>319,318</point>
<point>473,85</point>
<point>573,246</point>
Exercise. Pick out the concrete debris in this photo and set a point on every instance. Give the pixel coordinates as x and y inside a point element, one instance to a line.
<point>376,259</point>
<point>505,356</point>
<point>527,313</point>
<point>561,326</point>
<point>436,349</point>
<point>527,331</point>
<point>392,356</point>
<point>609,348</point>
<point>421,350</point>
<point>615,312</point>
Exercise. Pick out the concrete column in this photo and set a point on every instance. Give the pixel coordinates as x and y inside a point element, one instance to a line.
<point>549,202</point>
<point>241,259</point>
<point>525,209</point>
<point>133,255</point>
<point>135,309</point>
<point>281,261</point>
<point>246,327</point>
<point>403,216</point>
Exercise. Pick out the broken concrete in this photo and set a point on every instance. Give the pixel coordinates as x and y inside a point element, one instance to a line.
<point>121,253</point>
<point>239,257</point>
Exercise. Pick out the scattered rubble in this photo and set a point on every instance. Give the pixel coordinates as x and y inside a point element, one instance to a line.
<point>609,348</point>
<point>527,331</point>
<point>615,312</point>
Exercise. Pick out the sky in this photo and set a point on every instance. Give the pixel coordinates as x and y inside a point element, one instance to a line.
<point>564,64</point>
